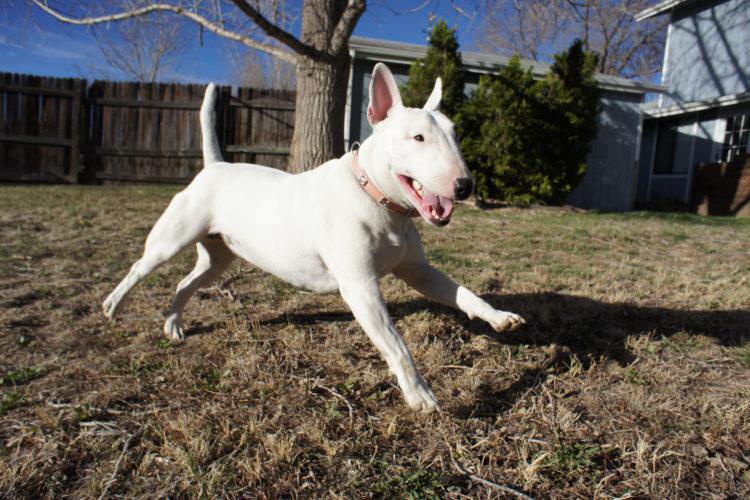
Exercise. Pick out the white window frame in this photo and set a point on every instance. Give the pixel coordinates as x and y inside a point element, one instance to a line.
<point>720,130</point>
<point>687,175</point>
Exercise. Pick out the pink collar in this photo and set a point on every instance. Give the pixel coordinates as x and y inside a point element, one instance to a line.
<point>375,193</point>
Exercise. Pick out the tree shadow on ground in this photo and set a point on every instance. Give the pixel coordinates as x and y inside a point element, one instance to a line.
<point>587,328</point>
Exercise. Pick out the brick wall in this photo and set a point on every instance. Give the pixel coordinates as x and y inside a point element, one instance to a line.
<point>722,188</point>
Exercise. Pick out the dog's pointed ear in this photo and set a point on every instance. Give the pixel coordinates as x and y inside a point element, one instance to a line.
<point>384,94</point>
<point>433,102</point>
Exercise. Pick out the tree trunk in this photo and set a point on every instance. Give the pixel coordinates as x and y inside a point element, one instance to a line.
<point>322,80</point>
<point>319,112</point>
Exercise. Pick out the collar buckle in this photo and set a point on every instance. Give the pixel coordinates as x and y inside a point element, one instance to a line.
<point>371,189</point>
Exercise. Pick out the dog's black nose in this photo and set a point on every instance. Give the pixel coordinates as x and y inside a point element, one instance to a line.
<point>463,188</point>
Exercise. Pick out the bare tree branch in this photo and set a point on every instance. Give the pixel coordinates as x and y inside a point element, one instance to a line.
<point>538,29</point>
<point>249,68</point>
<point>521,27</point>
<point>460,11</point>
<point>345,27</point>
<point>405,10</point>
<point>275,32</point>
<point>193,16</point>
<point>144,48</point>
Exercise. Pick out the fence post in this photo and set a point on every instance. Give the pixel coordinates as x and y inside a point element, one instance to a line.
<point>75,131</point>
<point>222,118</point>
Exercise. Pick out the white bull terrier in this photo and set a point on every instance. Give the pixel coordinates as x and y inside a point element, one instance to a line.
<point>341,226</point>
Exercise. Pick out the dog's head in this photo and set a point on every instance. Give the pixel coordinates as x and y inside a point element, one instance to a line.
<point>416,157</point>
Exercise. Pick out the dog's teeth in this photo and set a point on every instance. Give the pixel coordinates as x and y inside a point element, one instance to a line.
<point>417,187</point>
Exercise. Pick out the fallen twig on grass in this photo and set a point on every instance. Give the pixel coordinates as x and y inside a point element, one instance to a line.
<point>99,428</point>
<point>473,368</point>
<point>226,292</point>
<point>529,440</point>
<point>96,409</point>
<point>113,477</point>
<point>342,398</point>
<point>463,470</point>
<point>316,383</point>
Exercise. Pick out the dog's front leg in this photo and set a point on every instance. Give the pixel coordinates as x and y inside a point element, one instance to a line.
<point>367,304</point>
<point>437,286</point>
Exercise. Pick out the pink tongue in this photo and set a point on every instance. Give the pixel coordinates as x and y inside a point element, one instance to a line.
<point>437,206</point>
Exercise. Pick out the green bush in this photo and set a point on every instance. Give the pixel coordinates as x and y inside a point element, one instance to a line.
<point>526,140</point>
<point>442,60</point>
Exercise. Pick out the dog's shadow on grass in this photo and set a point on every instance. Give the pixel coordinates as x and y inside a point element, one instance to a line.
<point>201,329</point>
<point>590,328</point>
<point>587,328</point>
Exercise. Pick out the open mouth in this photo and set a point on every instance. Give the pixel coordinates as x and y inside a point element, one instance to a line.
<point>434,208</point>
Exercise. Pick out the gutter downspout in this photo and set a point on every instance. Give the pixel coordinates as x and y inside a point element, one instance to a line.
<point>348,107</point>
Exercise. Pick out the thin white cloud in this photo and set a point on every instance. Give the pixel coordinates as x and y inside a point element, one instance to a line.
<point>45,44</point>
<point>7,42</point>
<point>41,46</point>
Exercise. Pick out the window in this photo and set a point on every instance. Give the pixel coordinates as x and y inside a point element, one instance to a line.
<point>674,144</point>
<point>667,133</point>
<point>735,137</point>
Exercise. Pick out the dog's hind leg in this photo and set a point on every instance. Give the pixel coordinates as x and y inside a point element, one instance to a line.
<point>214,257</point>
<point>180,225</point>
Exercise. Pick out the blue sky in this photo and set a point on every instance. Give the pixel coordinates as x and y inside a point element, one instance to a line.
<point>33,42</point>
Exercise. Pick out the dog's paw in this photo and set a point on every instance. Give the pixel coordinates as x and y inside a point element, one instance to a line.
<point>110,307</point>
<point>506,321</point>
<point>173,329</point>
<point>421,399</point>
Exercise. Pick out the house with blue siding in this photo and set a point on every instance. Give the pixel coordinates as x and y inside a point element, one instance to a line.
<point>612,165</point>
<point>704,115</point>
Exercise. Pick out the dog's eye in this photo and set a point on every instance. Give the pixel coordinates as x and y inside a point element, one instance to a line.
<point>419,137</point>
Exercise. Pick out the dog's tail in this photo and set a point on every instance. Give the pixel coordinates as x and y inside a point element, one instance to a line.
<point>211,151</point>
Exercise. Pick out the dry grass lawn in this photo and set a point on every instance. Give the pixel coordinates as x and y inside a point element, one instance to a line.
<point>632,378</point>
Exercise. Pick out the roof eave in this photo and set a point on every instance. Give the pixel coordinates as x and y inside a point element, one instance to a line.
<point>392,52</point>
<point>658,9</point>
<point>695,106</point>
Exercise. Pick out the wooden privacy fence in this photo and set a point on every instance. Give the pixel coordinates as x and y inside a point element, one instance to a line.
<point>41,120</point>
<point>63,130</point>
